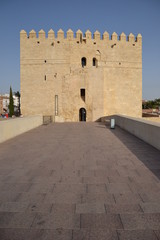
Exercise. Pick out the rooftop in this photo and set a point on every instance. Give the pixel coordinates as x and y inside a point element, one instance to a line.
<point>75,181</point>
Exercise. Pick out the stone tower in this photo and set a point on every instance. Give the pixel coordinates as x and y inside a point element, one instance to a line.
<point>80,77</point>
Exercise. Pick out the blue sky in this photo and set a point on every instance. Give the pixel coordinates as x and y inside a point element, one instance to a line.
<point>138,16</point>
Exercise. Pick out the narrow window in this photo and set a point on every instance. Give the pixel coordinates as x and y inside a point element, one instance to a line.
<point>45,78</point>
<point>95,63</point>
<point>56,105</point>
<point>82,93</point>
<point>83,61</point>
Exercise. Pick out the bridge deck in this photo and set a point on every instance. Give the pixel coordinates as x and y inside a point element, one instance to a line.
<point>75,181</point>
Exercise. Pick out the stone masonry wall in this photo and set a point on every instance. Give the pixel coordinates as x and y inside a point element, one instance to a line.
<point>52,66</point>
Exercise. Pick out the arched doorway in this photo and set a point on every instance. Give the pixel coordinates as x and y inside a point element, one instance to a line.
<point>83,62</point>
<point>82,115</point>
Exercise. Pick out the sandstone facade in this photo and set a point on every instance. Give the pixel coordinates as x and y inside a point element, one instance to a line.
<point>75,78</point>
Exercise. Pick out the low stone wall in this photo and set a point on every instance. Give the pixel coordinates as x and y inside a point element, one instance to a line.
<point>12,127</point>
<point>146,130</point>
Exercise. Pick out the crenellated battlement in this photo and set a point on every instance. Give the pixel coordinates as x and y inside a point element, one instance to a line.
<point>79,36</point>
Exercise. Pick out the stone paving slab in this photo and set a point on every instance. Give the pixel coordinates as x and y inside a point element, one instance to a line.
<point>64,208</point>
<point>75,181</point>
<point>63,197</point>
<point>70,188</point>
<point>9,196</point>
<point>109,221</point>
<point>157,232</point>
<point>123,208</point>
<point>136,235</point>
<point>143,187</point>
<point>13,206</point>
<point>34,197</point>
<point>128,197</point>
<point>14,234</point>
<point>16,187</point>
<point>150,207</point>
<point>55,221</point>
<point>41,188</point>
<point>16,220</point>
<point>95,180</point>
<point>94,234</point>
<point>90,208</point>
<point>35,234</point>
<point>141,221</point>
<point>118,188</point>
<point>39,207</point>
<point>98,198</point>
<point>118,179</point>
<point>96,188</point>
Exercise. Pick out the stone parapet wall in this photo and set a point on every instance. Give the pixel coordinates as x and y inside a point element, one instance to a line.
<point>146,130</point>
<point>14,127</point>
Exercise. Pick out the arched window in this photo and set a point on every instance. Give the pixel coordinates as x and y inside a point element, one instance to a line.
<point>83,61</point>
<point>95,62</point>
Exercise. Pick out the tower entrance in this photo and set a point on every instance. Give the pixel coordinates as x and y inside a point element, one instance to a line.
<point>82,115</point>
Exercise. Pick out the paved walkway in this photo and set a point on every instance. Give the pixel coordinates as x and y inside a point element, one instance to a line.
<point>77,181</point>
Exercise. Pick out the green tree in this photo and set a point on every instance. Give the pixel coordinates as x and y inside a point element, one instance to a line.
<point>17,94</point>
<point>11,103</point>
<point>151,104</point>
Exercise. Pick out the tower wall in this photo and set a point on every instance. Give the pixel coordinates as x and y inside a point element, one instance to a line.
<point>52,66</point>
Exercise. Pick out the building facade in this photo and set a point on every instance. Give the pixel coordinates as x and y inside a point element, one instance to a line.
<point>80,77</point>
<point>4,103</point>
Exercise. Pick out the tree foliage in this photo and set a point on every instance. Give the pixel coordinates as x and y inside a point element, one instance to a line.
<point>154,104</point>
<point>11,103</point>
<point>17,94</point>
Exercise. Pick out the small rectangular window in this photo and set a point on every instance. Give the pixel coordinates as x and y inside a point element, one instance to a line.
<point>56,105</point>
<point>82,93</point>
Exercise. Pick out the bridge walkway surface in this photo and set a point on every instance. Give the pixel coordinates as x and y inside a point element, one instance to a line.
<point>74,181</point>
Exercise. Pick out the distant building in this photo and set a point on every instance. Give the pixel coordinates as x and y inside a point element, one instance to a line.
<point>4,103</point>
<point>149,111</point>
<point>80,78</point>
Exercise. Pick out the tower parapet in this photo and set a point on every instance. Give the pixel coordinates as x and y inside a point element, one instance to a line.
<point>51,34</point>
<point>88,34</point>
<point>70,34</point>
<point>23,34</point>
<point>97,35</point>
<point>131,37</point>
<point>32,34</point>
<point>105,36</point>
<point>42,34</point>
<point>79,36</point>
<point>60,34</point>
<point>139,38</point>
<point>114,36</point>
<point>122,37</point>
